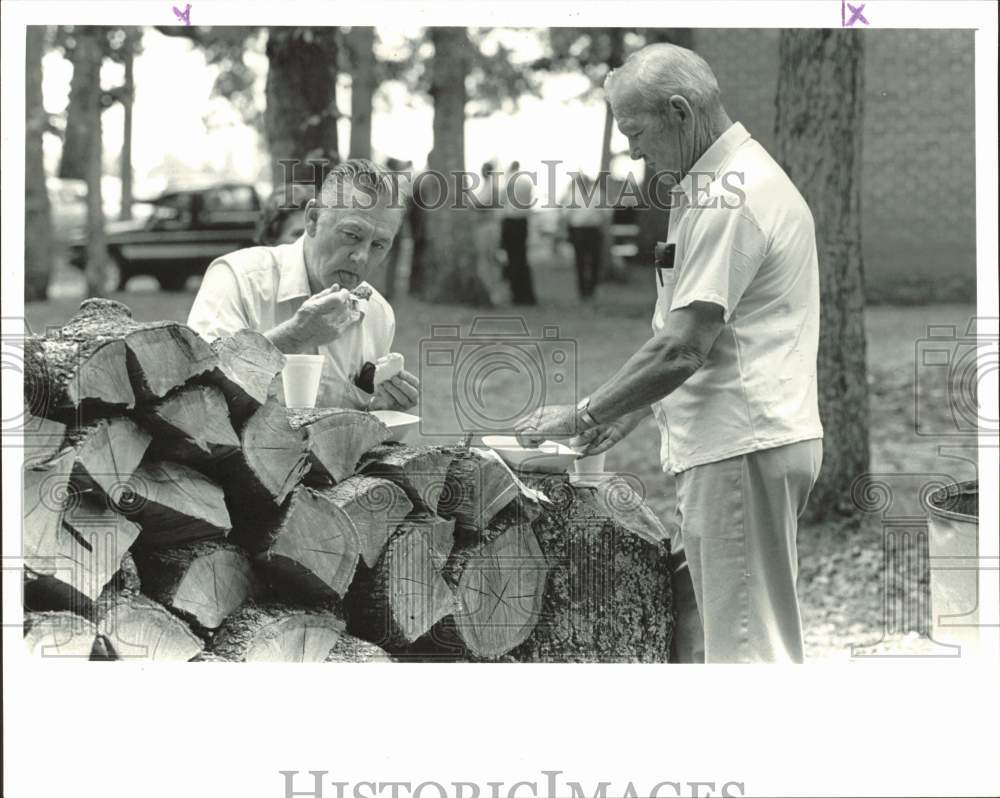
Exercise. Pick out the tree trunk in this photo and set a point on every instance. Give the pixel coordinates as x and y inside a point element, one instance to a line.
<point>362,43</point>
<point>448,268</point>
<point>301,115</point>
<point>127,98</point>
<point>616,56</point>
<point>37,213</point>
<point>818,131</point>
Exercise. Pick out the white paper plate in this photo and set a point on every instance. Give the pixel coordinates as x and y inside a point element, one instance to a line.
<point>549,456</point>
<point>399,423</point>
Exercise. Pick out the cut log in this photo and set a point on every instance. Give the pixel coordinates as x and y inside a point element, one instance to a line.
<point>477,488</point>
<point>309,548</point>
<point>278,633</point>
<point>248,364</point>
<point>175,505</point>
<point>337,439</point>
<point>499,588</point>
<point>59,634</point>
<point>207,656</point>
<point>376,506</point>
<point>608,597</point>
<point>402,598</point>
<point>192,426</point>
<point>46,491</point>
<point>138,628</point>
<point>70,569</point>
<point>201,582</point>
<point>161,355</point>
<point>420,472</point>
<point>108,452</point>
<point>271,462</point>
<point>68,380</point>
<point>43,438</point>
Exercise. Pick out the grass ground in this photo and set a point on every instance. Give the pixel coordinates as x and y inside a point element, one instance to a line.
<point>842,579</point>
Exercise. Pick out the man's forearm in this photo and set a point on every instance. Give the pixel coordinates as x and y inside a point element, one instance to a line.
<point>655,371</point>
<point>286,338</point>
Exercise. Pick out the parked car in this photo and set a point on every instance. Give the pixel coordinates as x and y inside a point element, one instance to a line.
<point>181,235</point>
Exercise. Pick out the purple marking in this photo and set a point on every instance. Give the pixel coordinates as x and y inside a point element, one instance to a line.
<point>856,15</point>
<point>185,16</point>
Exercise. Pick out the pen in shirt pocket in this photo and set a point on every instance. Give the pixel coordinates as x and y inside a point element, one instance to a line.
<point>663,258</point>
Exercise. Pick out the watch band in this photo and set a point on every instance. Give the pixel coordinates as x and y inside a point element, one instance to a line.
<point>583,413</point>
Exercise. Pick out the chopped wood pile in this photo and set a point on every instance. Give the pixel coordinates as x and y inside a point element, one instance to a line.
<point>175,510</point>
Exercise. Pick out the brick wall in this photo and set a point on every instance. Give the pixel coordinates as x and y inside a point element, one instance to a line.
<point>918,190</point>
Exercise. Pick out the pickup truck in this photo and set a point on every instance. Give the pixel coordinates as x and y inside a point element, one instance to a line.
<point>182,234</point>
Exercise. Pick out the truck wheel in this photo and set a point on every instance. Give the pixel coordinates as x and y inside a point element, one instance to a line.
<point>174,281</point>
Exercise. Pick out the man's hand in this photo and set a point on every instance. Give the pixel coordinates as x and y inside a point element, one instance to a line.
<point>323,317</point>
<point>399,393</point>
<point>602,437</point>
<point>550,421</point>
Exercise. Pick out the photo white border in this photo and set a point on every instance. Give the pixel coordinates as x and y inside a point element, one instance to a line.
<point>905,728</point>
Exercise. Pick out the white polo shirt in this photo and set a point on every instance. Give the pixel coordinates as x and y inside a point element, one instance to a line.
<point>744,240</point>
<point>259,288</point>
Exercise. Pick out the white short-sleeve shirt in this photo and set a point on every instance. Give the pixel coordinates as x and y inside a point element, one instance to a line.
<point>259,288</point>
<point>744,239</point>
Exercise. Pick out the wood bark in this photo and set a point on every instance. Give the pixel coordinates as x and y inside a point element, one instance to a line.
<point>38,249</point>
<point>69,380</point>
<point>361,41</point>
<point>275,632</point>
<point>404,595</point>
<point>248,364</point>
<point>449,273</point>
<point>336,440</point>
<point>308,548</point>
<point>818,124</point>
<point>301,92</point>
<point>202,582</point>
<point>375,506</point>
<point>191,426</point>
<point>174,505</point>
<point>419,472</point>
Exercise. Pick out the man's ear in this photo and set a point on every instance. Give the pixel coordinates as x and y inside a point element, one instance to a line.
<point>680,109</point>
<point>312,217</point>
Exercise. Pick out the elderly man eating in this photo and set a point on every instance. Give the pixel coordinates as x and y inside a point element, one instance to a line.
<point>730,371</point>
<point>310,296</point>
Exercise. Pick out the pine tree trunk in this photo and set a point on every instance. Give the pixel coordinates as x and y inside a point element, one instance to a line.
<point>37,213</point>
<point>447,271</point>
<point>362,43</point>
<point>818,131</point>
<point>301,115</point>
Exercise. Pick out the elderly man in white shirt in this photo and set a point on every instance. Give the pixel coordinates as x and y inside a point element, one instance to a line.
<point>730,372</point>
<point>298,294</point>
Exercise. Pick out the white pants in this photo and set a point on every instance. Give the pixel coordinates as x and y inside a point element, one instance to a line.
<point>738,523</point>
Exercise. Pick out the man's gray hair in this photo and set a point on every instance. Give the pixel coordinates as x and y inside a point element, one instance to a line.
<point>653,74</point>
<point>368,182</point>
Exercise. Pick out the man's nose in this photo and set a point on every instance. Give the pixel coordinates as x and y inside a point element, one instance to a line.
<point>360,254</point>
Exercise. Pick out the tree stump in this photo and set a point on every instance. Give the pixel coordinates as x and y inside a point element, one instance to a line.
<point>192,426</point>
<point>174,505</point>
<point>202,582</point>
<point>337,439</point>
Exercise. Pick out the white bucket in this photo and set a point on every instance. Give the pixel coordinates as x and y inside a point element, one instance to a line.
<point>953,546</point>
<point>300,378</point>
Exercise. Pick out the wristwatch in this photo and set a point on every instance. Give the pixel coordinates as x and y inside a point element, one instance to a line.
<point>583,414</point>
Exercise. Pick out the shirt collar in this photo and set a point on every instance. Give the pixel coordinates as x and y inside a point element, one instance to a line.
<point>714,158</point>
<point>293,281</point>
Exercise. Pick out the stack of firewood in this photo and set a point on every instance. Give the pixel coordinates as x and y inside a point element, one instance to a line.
<point>175,510</point>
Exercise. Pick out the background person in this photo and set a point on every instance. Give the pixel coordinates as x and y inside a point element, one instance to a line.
<point>516,200</point>
<point>297,294</point>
